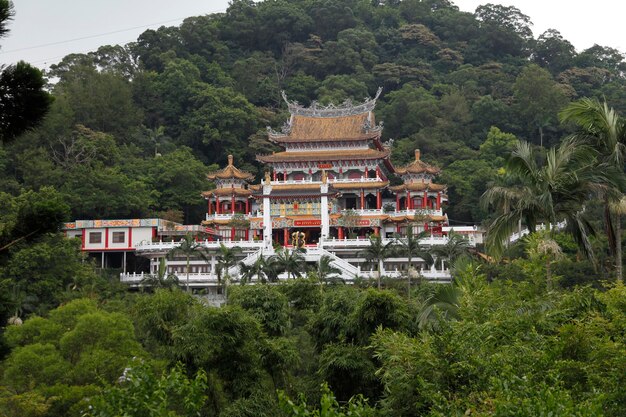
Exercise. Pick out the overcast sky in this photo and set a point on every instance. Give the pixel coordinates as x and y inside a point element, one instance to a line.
<point>44,31</point>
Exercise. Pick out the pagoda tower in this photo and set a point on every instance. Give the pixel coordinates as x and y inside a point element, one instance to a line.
<point>228,205</point>
<point>419,199</point>
<point>333,161</point>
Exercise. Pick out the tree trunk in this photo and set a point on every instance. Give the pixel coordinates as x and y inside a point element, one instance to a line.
<point>409,277</point>
<point>380,268</point>
<point>188,289</point>
<point>618,247</point>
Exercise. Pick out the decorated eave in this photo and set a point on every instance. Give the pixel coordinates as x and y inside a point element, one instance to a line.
<point>418,186</point>
<point>417,167</point>
<point>336,123</point>
<point>227,192</point>
<point>365,185</point>
<point>325,156</point>
<point>230,172</point>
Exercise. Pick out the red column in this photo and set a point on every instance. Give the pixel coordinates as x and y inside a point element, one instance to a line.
<point>408,200</point>
<point>217,205</point>
<point>397,202</point>
<point>398,228</point>
<point>285,176</point>
<point>232,205</point>
<point>209,206</point>
<point>378,172</point>
<point>286,236</point>
<point>362,199</point>
<point>340,230</point>
<point>365,172</point>
<point>247,206</point>
<point>247,234</point>
<point>425,199</point>
<point>378,200</point>
<point>130,237</point>
<point>106,237</point>
<point>232,233</point>
<point>438,200</point>
<point>83,234</point>
<point>274,175</point>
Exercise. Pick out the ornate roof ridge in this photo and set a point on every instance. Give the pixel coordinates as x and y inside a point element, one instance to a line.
<point>347,108</point>
<point>230,172</point>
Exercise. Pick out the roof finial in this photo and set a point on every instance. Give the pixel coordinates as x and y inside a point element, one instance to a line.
<point>417,154</point>
<point>230,160</point>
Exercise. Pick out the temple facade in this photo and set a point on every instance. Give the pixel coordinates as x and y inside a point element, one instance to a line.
<point>332,181</point>
<point>330,188</point>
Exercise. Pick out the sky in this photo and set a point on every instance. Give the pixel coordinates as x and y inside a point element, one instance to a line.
<point>44,31</point>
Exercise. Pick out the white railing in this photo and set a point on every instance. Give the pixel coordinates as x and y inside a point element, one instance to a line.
<point>369,212</point>
<point>225,216</point>
<point>416,212</point>
<point>516,236</point>
<point>194,278</point>
<point>166,246</point>
<point>330,180</point>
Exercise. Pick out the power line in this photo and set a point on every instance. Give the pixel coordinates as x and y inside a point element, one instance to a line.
<point>100,34</point>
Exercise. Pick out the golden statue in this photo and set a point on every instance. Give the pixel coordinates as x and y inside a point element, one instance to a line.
<point>324,177</point>
<point>267,178</point>
<point>298,239</point>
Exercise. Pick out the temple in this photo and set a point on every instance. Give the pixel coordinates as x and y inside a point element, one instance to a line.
<point>327,191</point>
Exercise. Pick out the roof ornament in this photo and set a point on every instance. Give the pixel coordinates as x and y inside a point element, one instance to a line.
<point>230,160</point>
<point>347,108</point>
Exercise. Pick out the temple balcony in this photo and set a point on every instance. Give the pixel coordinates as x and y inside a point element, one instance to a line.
<point>246,245</point>
<point>416,212</point>
<point>310,180</point>
<point>225,216</point>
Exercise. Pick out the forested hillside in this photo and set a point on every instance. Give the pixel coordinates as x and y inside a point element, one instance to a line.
<point>209,87</point>
<point>535,328</point>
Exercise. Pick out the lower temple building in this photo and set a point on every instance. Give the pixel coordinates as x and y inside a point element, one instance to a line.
<point>330,190</point>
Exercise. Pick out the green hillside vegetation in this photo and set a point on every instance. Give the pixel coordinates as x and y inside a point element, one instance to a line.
<point>523,129</point>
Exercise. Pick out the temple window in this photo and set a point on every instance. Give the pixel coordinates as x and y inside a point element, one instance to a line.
<point>95,237</point>
<point>118,237</point>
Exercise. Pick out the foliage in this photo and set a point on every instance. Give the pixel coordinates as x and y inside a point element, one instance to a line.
<point>141,393</point>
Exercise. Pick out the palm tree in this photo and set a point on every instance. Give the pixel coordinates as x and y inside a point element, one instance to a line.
<point>162,279</point>
<point>443,304</point>
<point>601,127</point>
<point>410,246</point>
<point>226,259</point>
<point>326,272</point>
<point>290,261</point>
<point>540,246</point>
<point>258,269</point>
<point>188,248</point>
<point>377,252</point>
<point>554,191</point>
<point>456,247</point>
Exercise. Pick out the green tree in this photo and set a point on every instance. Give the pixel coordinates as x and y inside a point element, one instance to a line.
<point>289,261</point>
<point>410,246</point>
<point>267,304</point>
<point>538,99</point>
<point>142,393</point>
<point>188,248</point>
<point>226,259</point>
<point>601,127</point>
<point>377,252</point>
<point>162,279</point>
<point>550,193</point>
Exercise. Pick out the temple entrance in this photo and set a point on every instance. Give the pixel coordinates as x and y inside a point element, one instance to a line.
<point>284,237</point>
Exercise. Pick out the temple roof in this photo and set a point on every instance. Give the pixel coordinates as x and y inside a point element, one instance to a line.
<point>359,185</point>
<point>345,122</point>
<point>230,172</point>
<point>418,186</point>
<point>227,191</point>
<point>417,167</point>
<point>323,156</point>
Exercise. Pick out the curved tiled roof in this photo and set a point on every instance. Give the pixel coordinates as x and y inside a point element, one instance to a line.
<point>230,172</point>
<point>324,156</point>
<point>359,185</point>
<point>418,186</point>
<point>229,191</point>
<point>417,167</point>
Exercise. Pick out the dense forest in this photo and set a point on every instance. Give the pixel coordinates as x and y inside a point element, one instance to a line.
<point>131,131</point>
